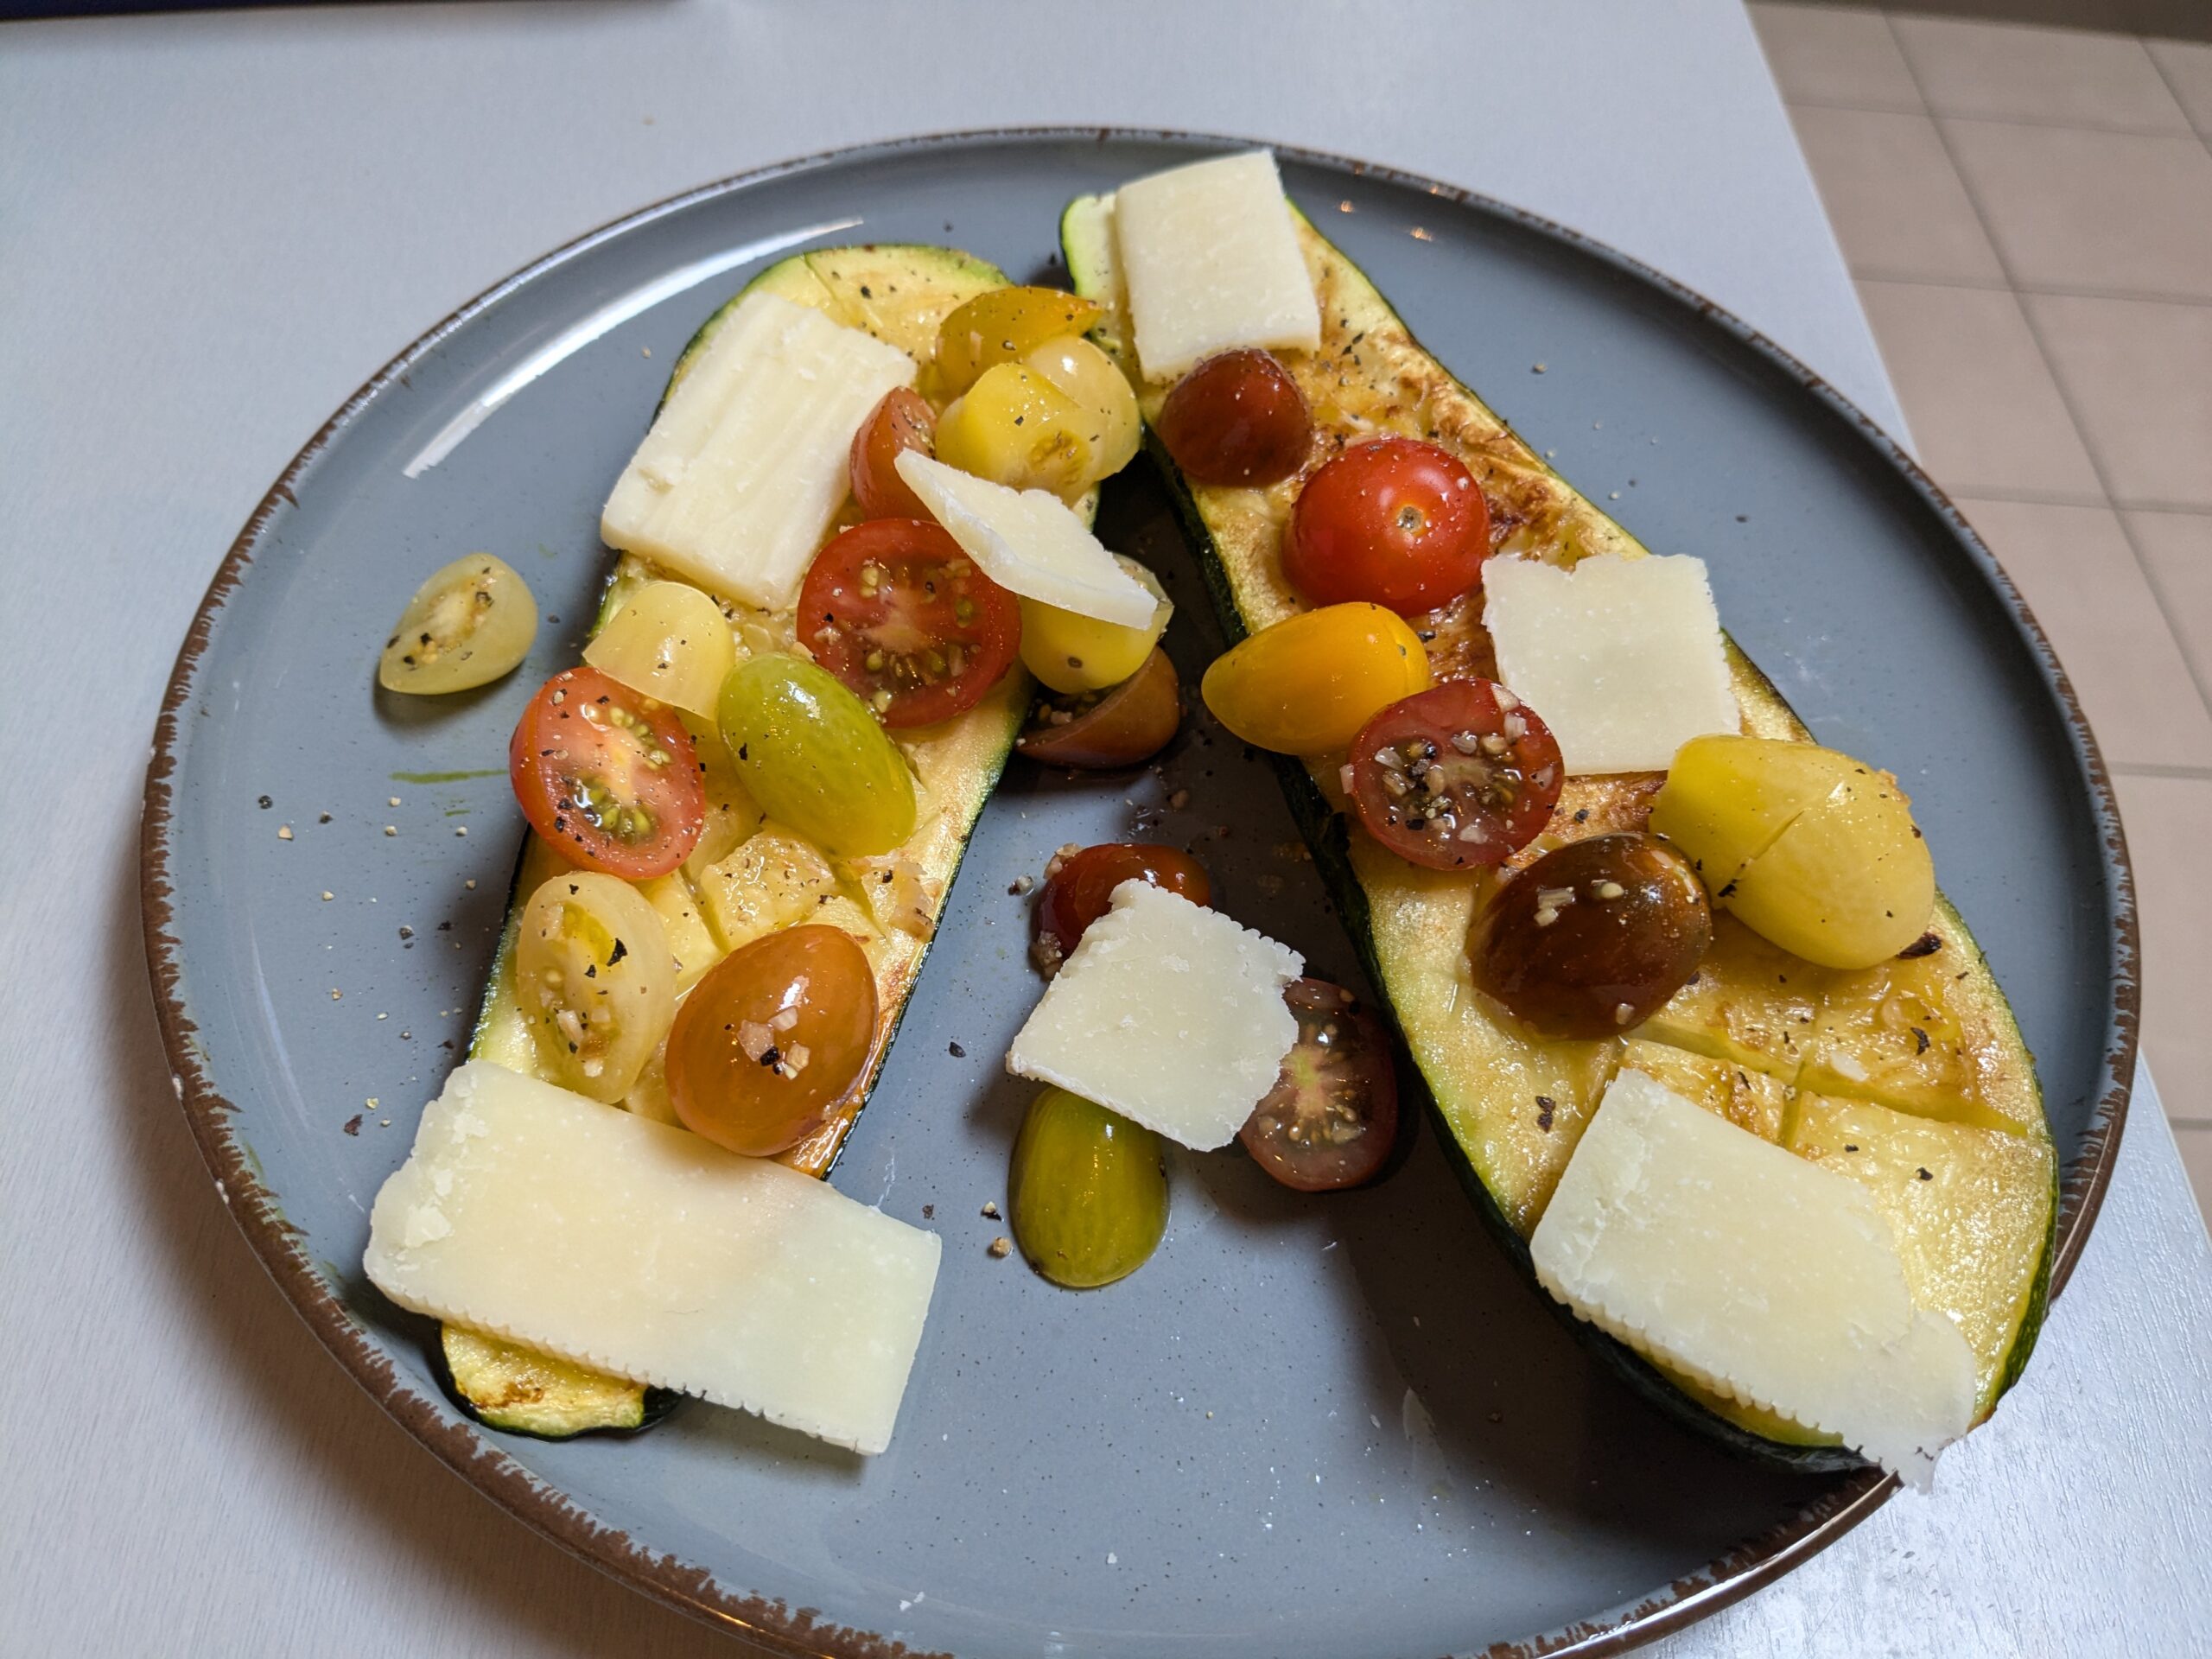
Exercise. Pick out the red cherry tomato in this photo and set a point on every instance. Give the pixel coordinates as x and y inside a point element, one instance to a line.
<point>608,777</point>
<point>1461,774</point>
<point>894,609</point>
<point>1080,887</point>
<point>772,1040</point>
<point>1332,1115</point>
<point>1238,418</point>
<point>1395,522</point>
<point>903,421</point>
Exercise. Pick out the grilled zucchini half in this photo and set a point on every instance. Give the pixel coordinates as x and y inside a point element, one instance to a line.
<point>1911,1077</point>
<point>750,878</point>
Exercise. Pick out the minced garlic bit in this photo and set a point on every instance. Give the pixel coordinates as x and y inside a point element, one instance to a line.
<point>327,895</point>
<point>1001,1248</point>
<point>283,832</point>
<point>1609,890</point>
<point>391,829</point>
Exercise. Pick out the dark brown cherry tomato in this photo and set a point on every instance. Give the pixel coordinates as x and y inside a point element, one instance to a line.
<point>608,777</point>
<point>903,421</point>
<point>1461,774</point>
<point>1331,1117</point>
<point>1079,888</point>
<point>896,610</point>
<point>1118,727</point>
<point>1238,418</point>
<point>772,1040</point>
<point>1594,936</point>
<point>1396,522</point>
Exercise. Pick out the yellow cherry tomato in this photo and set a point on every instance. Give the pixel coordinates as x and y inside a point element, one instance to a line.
<point>1016,428</point>
<point>1807,847</point>
<point>1001,325</point>
<point>1308,685</point>
<point>669,641</point>
<point>1071,653</point>
<point>1088,375</point>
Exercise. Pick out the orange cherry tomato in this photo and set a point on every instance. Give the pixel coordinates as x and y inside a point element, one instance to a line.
<point>774,1040</point>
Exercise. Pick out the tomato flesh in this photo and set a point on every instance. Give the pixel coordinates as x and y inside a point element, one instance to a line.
<point>607,776</point>
<point>1331,1118</point>
<point>1396,522</point>
<point>774,1040</point>
<point>1238,419</point>
<point>1460,775</point>
<point>1079,887</point>
<point>903,421</point>
<point>898,612</point>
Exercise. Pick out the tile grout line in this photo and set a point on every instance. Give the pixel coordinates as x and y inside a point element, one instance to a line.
<point>2126,295</point>
<point>2089,449</point>
<point>1968,490</point>
<point>1928,112</point>
<point>2187,114</point>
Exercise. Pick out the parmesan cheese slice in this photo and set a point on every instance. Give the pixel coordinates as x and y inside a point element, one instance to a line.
<point>1211,263</point>
<point>736,483</point>
<point>1029,542</point>
<point>644,1250</point>
<point>1767,1278</point>
<point>1622,657</point>
<point>1168,1012</point>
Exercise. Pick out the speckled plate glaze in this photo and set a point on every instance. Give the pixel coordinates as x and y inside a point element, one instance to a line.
<point>1325,1429</point>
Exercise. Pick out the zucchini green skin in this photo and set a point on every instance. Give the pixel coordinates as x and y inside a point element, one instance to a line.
<point>830,280</point>
<point>1327,835</point>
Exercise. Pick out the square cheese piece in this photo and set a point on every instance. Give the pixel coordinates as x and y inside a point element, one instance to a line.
<point>1029,541</point>
<point>735,484</point>
<point>636,1247</point>
<point>1168,1012</point>
<point>1210,260</point>
<point>1769,1279</point>
<point>1621,657</point>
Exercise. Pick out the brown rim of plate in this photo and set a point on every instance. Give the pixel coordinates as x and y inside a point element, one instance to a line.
<point>771,1622</point>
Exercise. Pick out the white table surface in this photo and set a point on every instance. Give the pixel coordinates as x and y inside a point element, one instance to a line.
<point>212,228</point>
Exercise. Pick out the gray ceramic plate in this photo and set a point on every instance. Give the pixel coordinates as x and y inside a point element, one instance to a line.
<point>1326,1429</point>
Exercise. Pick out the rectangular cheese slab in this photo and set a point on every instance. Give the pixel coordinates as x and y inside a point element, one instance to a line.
<point>639,1249</point>
<point>736,483</point>
<point>1029,541</point>
<point>1622,659</point>
<point>1168,1012</point>
<point>1769,1279</point>
<point>1211,263</point>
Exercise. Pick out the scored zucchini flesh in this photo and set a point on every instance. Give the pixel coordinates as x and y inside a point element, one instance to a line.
<point>772,878</point>
<point>1920,1058</point>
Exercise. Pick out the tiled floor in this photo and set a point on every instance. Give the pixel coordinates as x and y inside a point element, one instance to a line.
<point>2029,213</point>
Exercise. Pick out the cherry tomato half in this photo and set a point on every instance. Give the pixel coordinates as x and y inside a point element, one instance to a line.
<point>1238,418</point>
<point>1332,1115</point>
<point>1102,730</point>
<point>897,611</point>
<point>1461,774</point>
<point>1594,936</point>
<point>1080,887</point>
<point>903,421</point>
<point>1395,521</point>
<point>772,1040</point>
<point>608,777</point>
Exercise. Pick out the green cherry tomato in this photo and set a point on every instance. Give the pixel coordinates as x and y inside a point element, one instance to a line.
<point>809,752</point>
<point>1087,1191</point>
